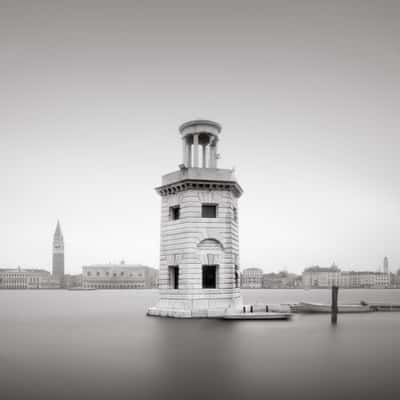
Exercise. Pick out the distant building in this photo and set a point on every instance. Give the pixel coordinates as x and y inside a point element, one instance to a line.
<point>396,278</point>
<point>368,279</point>
<point>271,281</point>
<point>72,281</point>
<point>321,277</point>
<point>119,276</point>
<point>18,278</point>
<point>348,279</point>
<point>58,254</point>
<point>317,277</point>
<point>281,280</point>
<point>252,278</point>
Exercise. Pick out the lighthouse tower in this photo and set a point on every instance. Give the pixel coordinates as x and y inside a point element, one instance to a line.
<point>199,255</point>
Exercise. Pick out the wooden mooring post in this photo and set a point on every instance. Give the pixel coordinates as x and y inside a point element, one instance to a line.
<point>334,309</point>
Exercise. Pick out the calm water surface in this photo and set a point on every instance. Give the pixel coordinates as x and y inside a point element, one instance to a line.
<point>101,345</point>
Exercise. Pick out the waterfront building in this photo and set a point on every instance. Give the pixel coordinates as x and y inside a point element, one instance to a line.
<point>396,278</point>
<point>18,278</point>
<point>281,280</point>
<point>316,276</point>
<point>58,254</point>
<point>72,281</point>
<point>252,278</point>
<point>199,249</point>
<point>119,276</point>
<point>367,279</point>
<point>348,279</point>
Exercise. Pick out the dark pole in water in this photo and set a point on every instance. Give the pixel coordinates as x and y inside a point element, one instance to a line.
<point>334,309</point>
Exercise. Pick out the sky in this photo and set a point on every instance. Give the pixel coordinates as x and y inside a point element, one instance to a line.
<point>308,94</point>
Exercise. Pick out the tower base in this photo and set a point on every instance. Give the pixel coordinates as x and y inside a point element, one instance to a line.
<point>203,303</point>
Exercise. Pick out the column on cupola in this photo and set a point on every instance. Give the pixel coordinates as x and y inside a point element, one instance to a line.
<point>196,150</point>
<point>186,151</point>
<point>213,152</point>
<point>204,164</point>
<point>189,152</point>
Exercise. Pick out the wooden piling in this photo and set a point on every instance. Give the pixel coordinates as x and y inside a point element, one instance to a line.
<point>334,307</point>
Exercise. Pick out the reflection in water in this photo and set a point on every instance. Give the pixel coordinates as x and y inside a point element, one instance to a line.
<point>100,345</point>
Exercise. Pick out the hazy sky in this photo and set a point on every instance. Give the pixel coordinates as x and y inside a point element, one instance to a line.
<point>308,94</point>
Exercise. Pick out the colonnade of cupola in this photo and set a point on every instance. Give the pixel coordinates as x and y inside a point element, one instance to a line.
<point>200,143</point>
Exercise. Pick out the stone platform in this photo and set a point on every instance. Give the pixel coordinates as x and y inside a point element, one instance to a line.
<point>212,303</point>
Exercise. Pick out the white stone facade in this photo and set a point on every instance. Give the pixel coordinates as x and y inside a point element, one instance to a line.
<point>321,277</point>
<point>118,276</point>
<point>326,277</point>
<point>17,278</point>
<point>199,254</point>
<point>252,278</point>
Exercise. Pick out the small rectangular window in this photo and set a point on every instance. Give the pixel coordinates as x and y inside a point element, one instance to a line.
<point>209,276</point>
<point>209,211</point>
<point>173,276</point>
<point>235,216</point>
<point>174,212</point>
<point>237,276</point>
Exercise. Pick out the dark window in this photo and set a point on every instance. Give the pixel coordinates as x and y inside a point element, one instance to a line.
<point>174,277</point>
<point>235,216</point>
<point>209,276</point>
<point>98,273</point>
<point>122,274</point>
<point>236,276</point>
<point>174,212</point>
<point>89,273</point>
<point>209,210</point>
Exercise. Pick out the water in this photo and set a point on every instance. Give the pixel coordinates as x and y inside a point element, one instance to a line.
<point>100,345</point>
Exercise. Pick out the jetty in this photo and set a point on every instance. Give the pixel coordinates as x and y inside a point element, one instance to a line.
<point>269,316</point>
<point>384,307</point>
<point>303,307</point>
<point>312,308</point>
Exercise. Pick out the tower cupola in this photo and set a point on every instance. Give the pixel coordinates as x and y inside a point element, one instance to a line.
<point>200,143</point>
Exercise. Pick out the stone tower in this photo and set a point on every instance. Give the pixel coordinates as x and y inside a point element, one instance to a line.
<point>58,254</point>
<point>386,265</point>
<point>199,255</point>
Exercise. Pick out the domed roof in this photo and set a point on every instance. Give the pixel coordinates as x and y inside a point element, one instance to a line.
<point>200,125</point>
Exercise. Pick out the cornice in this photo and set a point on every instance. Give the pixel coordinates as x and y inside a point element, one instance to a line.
<point>199,184</point>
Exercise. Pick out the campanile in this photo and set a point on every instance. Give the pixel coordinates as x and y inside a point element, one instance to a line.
<point>58,254</point>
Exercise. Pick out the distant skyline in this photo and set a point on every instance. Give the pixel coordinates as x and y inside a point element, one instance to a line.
<point>307,93</point>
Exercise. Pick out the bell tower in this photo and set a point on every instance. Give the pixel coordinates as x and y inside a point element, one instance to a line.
<point>199,254</point>
<point>58,254</point>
